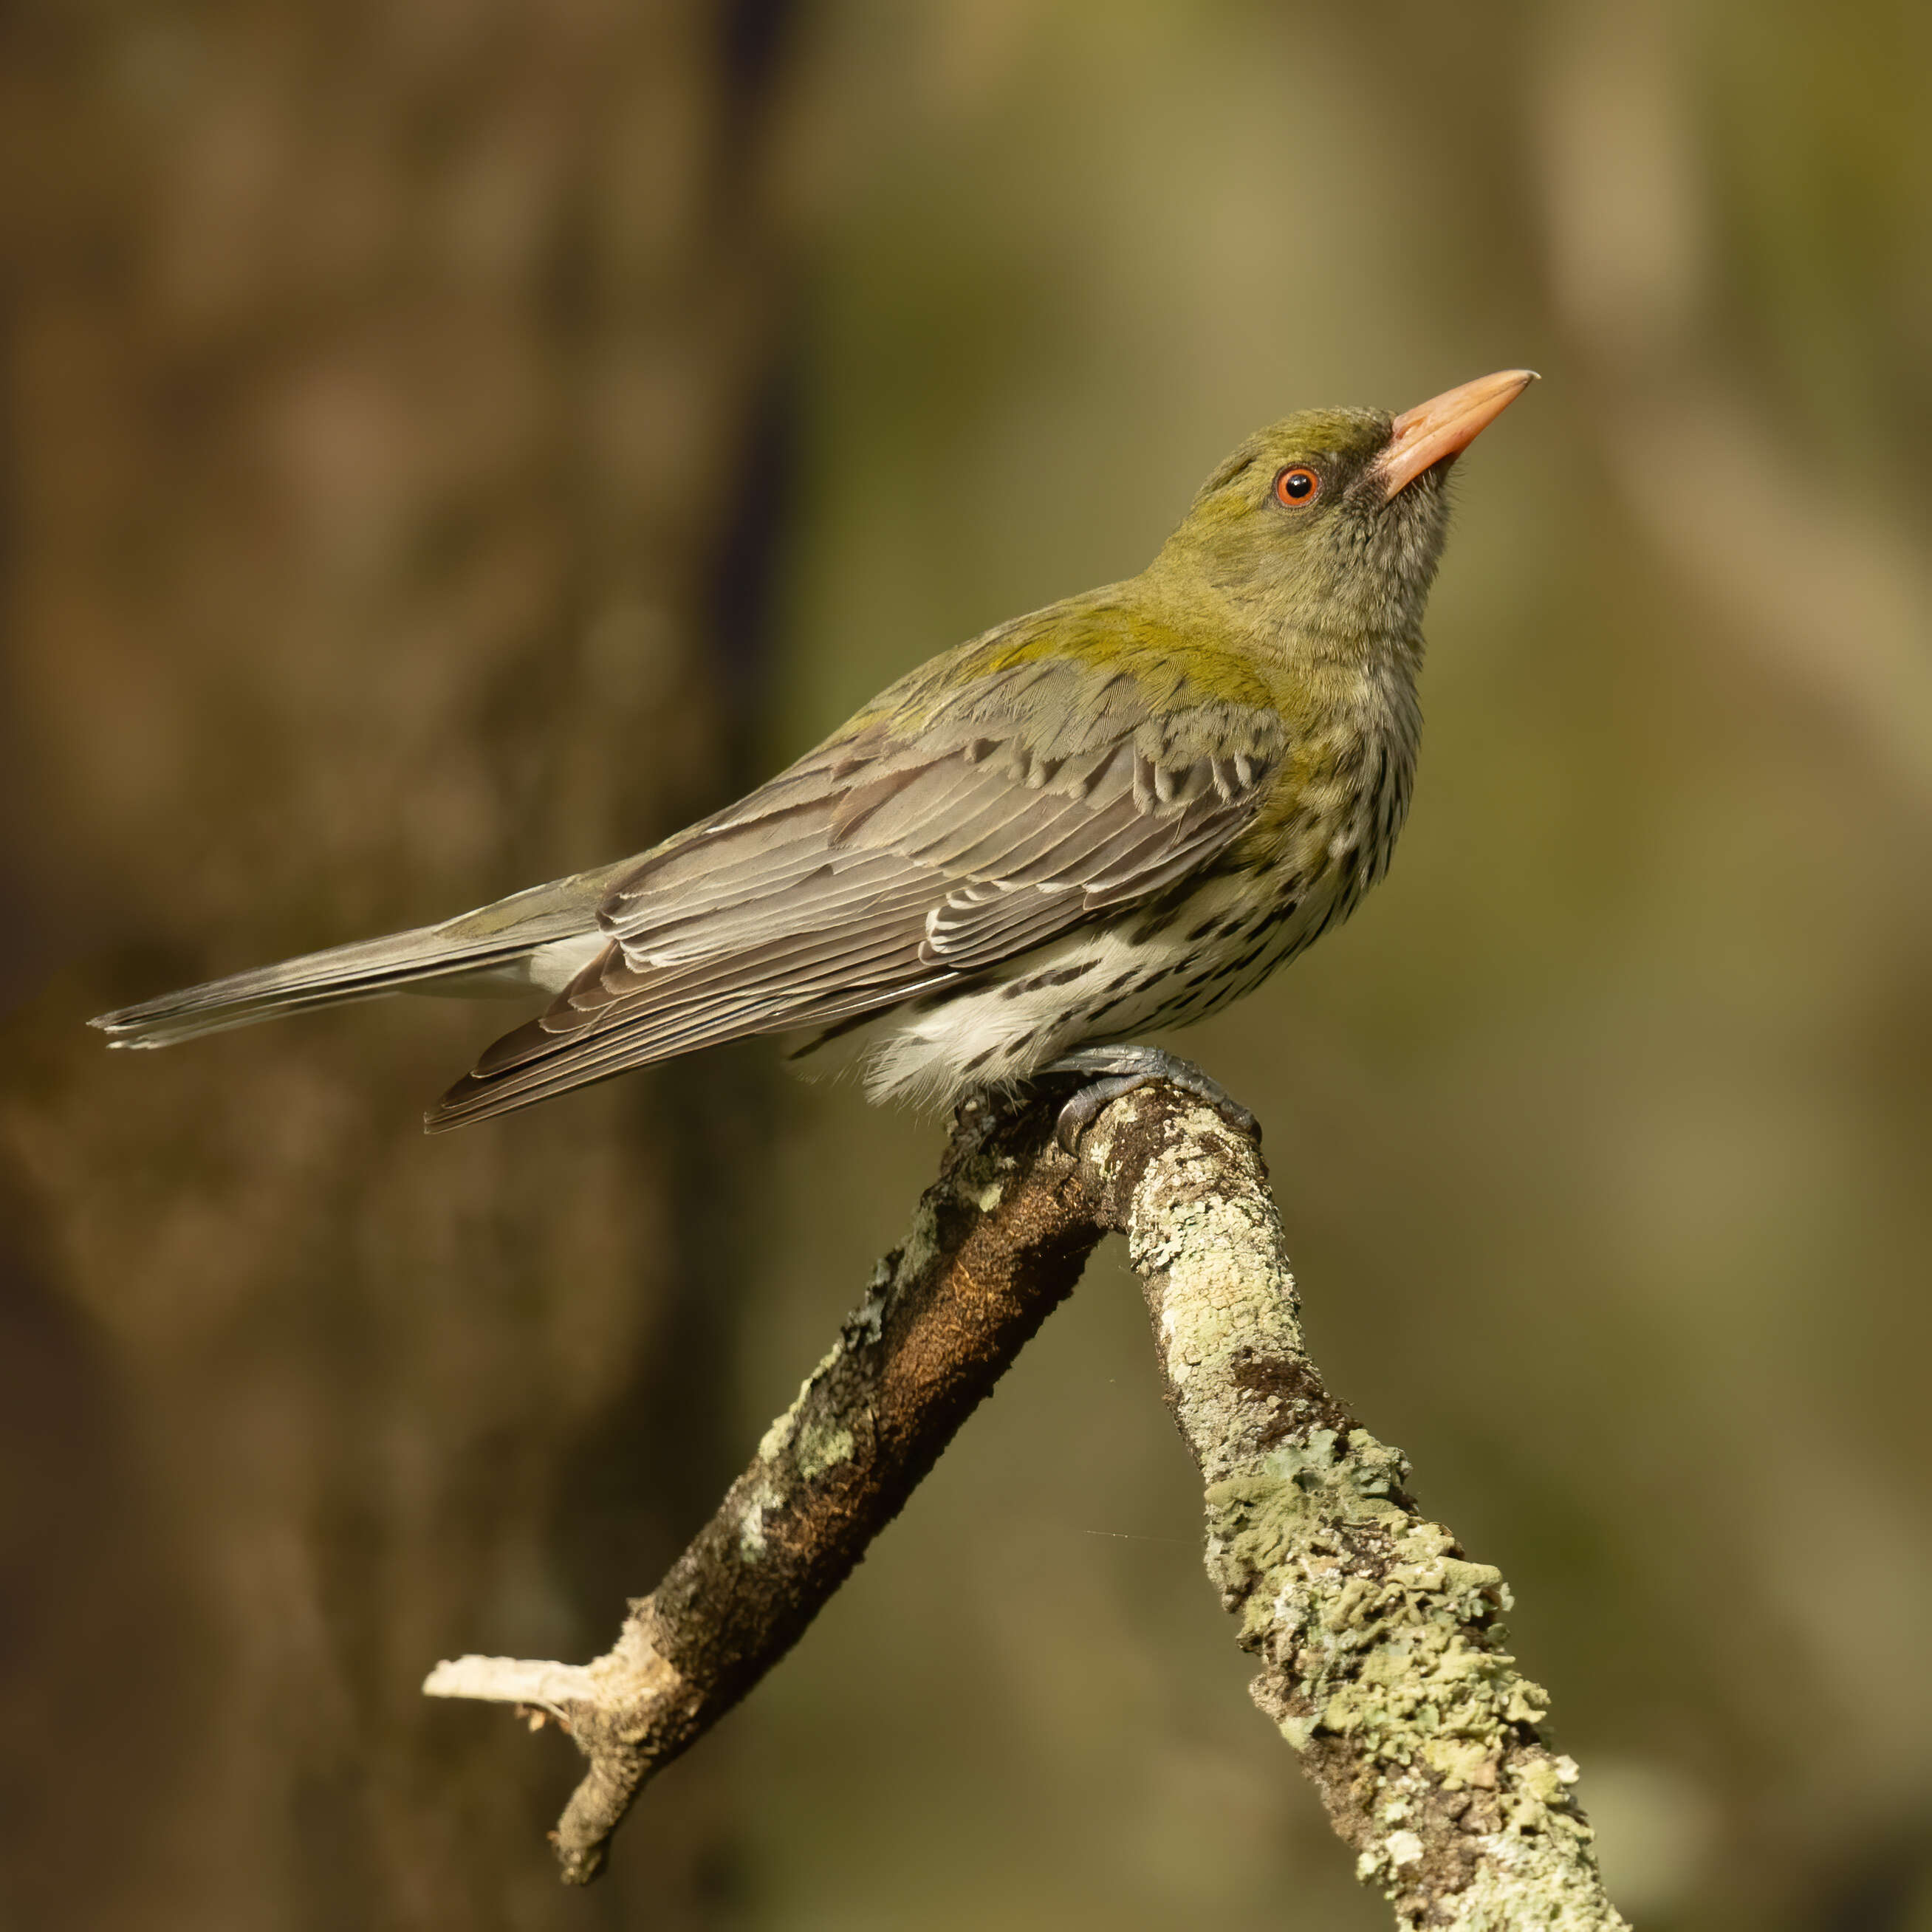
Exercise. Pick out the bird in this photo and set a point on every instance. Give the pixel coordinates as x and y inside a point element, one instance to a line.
<point>1118,813</point>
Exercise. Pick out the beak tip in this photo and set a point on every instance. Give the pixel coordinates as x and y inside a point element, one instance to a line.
<point>1446,424</point>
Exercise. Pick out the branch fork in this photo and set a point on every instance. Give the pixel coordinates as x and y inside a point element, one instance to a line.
<point>1381,1657</point>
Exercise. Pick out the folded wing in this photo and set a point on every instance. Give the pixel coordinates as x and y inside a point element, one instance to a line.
<point>880,867</point>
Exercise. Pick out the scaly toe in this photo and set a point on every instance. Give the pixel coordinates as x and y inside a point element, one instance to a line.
<point>1123,1070</point>
<point>1080,1112</point>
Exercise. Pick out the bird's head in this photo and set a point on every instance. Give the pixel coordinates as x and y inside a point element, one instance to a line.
<point>1328,524</point>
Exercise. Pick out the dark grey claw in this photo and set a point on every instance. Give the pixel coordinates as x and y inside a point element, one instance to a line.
<point>1110,1071</point>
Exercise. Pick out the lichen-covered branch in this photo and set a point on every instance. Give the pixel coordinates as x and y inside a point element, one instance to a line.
<point>1382,1661</point>
<point>998,1242</point>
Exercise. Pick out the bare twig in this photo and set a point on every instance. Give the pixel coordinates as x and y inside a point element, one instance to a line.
<point>1381,1657</point>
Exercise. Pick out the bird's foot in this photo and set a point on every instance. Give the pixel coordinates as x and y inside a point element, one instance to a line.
<point>1110,1071</point>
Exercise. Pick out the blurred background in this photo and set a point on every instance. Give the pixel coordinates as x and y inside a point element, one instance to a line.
<point>449,444</point>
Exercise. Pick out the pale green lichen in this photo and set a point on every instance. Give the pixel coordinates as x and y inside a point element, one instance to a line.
<point>1213,1252</point>
<point>804,1443</point>
<point>1459,1763</point>
<point>777,1439</point>
<point>823,1445</point>
<point>1523,1881</point>
<point>814,1444</point>
<point>1381,1632</point>
<point>751,1533</point>
<point>1393,1658</point>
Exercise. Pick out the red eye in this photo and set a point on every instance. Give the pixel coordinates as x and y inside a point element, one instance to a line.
<point>1298,487</point>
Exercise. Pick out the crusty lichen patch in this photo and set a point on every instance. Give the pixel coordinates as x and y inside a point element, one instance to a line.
<point>1381,1635</point>
<point>807,1439</point>
<point>1382,1623</point>
<point>822,1445</point>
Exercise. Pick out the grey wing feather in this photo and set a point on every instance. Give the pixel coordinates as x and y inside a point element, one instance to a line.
<point>877,868</point>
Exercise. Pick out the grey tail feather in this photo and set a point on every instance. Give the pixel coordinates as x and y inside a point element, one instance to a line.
<point>471,947</point>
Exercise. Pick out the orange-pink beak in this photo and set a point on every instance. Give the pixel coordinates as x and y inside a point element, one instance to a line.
<point>1433,431</point>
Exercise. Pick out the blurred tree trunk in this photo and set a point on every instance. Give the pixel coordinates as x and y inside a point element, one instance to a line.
<point>388,416</point>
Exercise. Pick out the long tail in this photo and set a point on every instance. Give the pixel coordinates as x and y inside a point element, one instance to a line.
<point>495,942</point>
